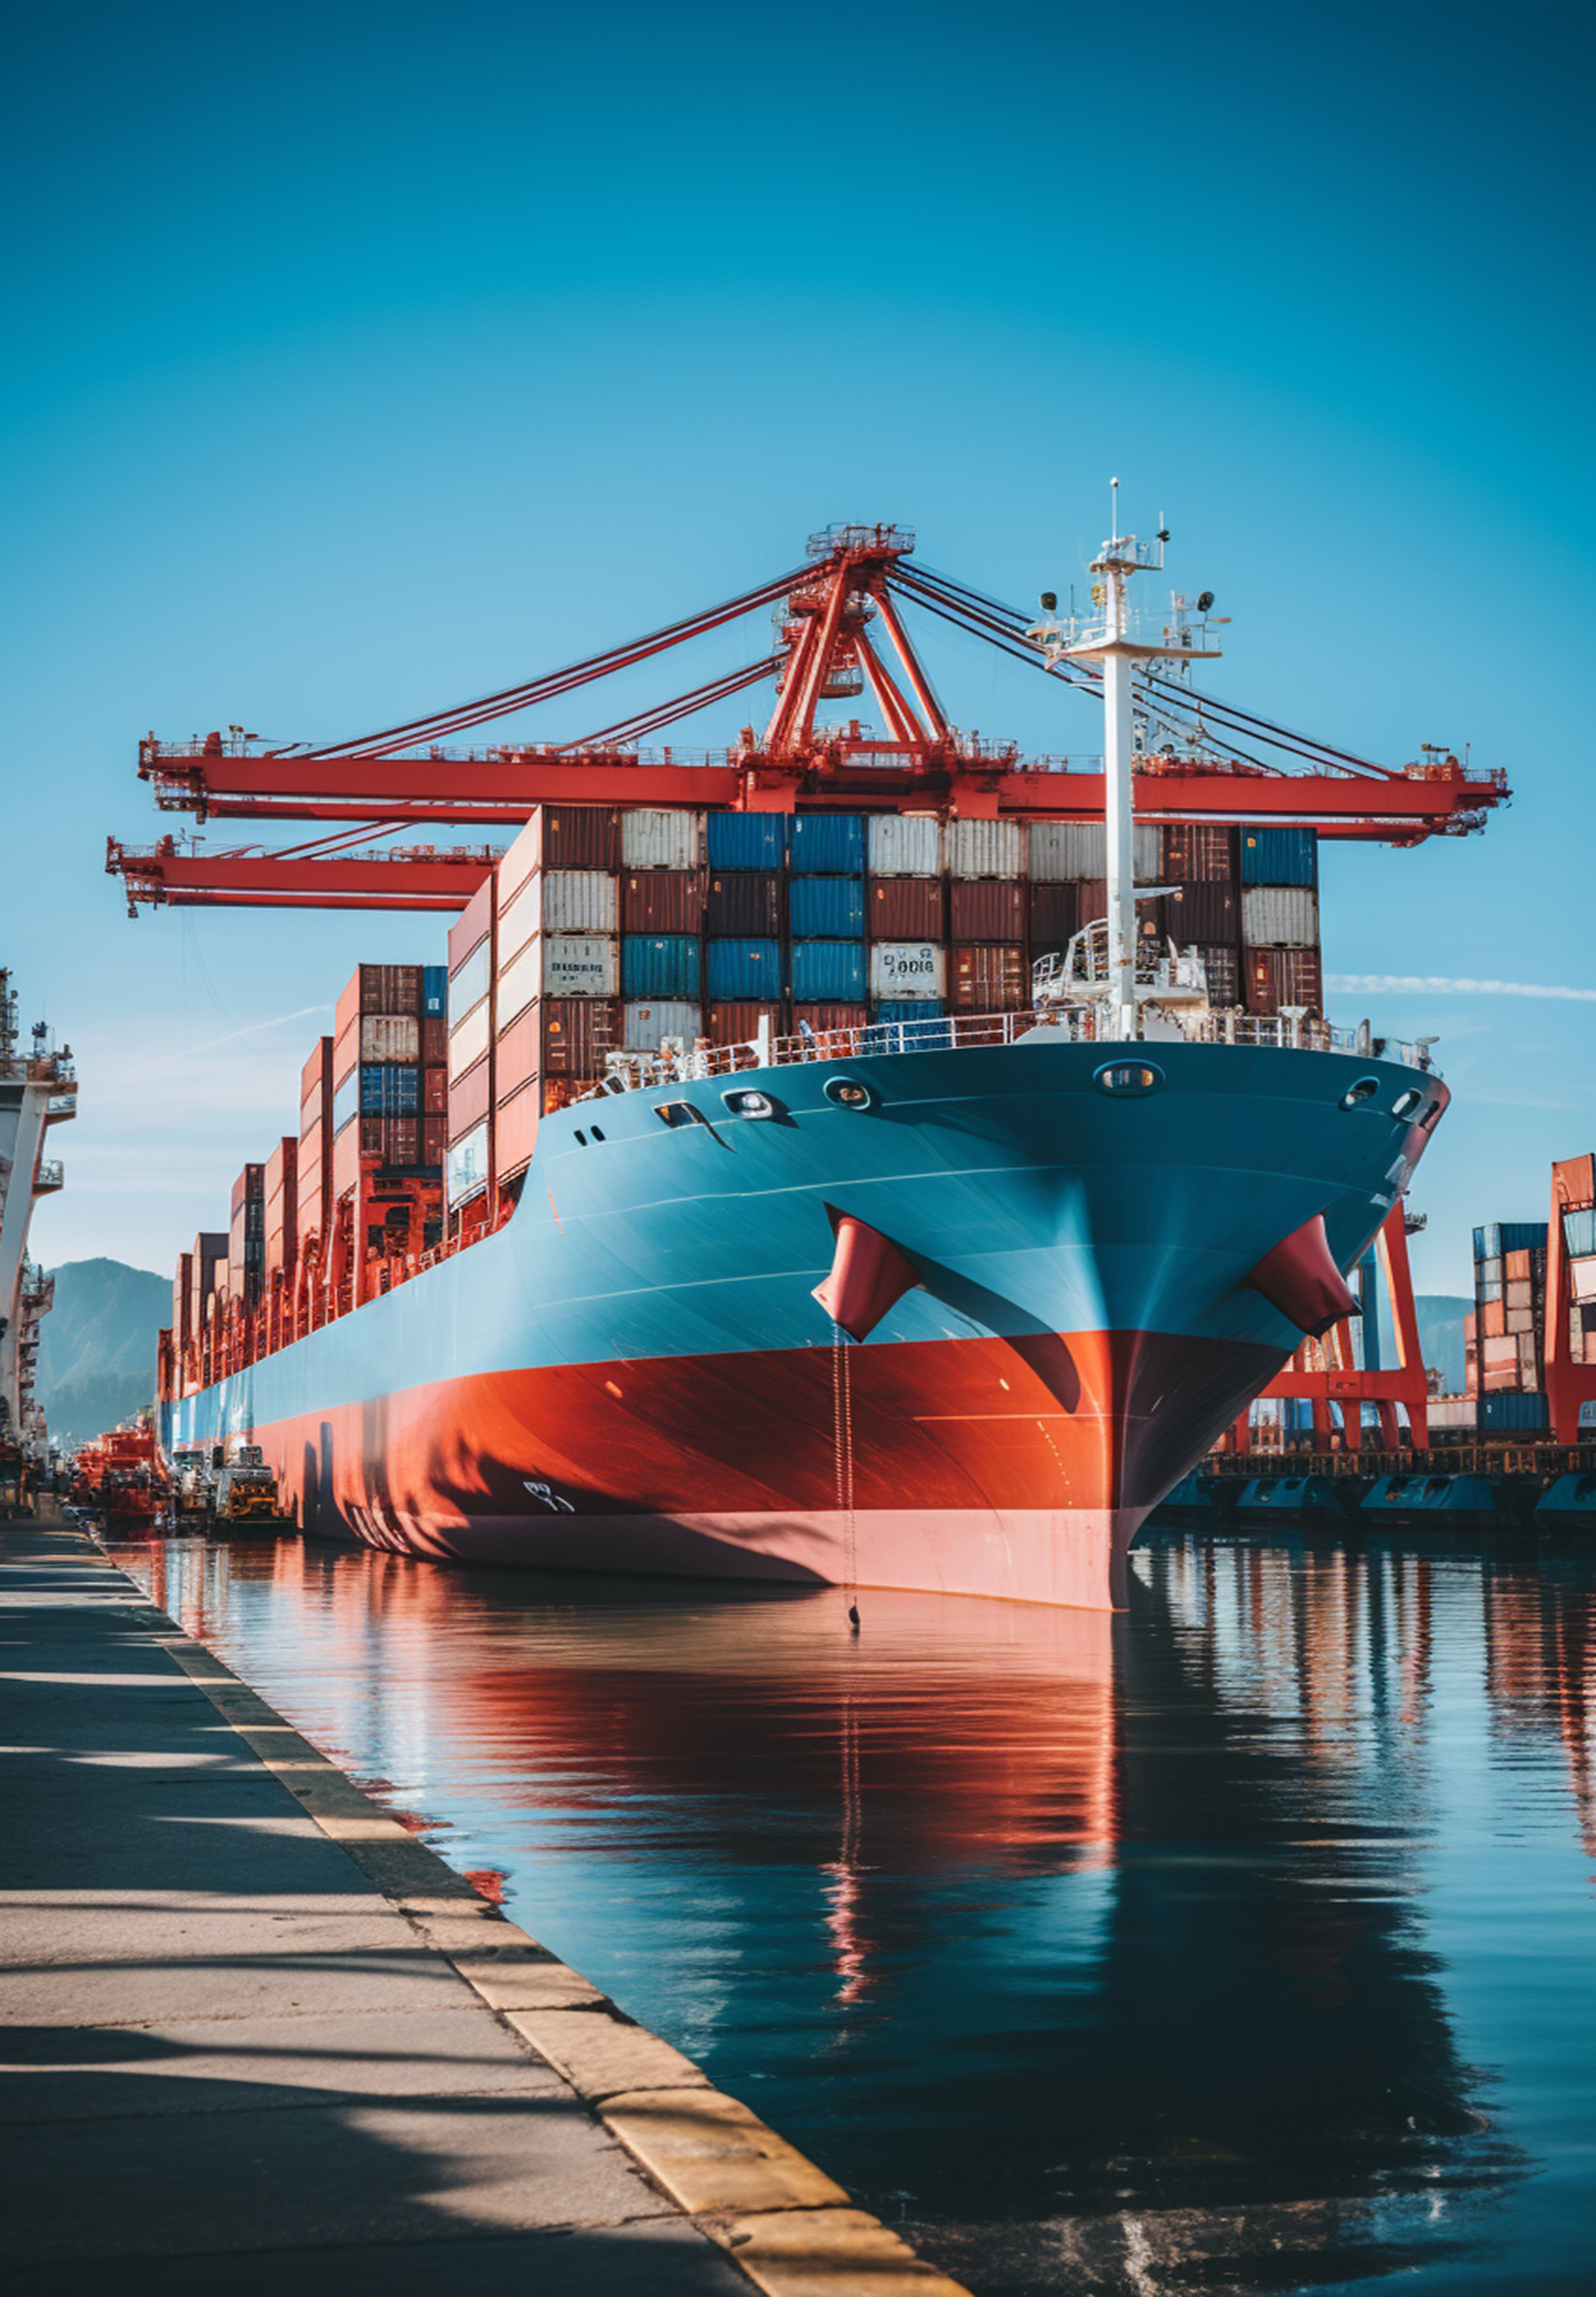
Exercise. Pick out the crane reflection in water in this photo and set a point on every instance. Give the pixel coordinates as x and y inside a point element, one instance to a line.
<point>1095,1952</point>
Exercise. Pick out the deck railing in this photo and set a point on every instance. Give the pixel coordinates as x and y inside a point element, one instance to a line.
<point>632,1072</point>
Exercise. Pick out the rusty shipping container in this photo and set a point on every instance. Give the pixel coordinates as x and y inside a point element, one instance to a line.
<point>1222,970</point>
<point>663,901</point>
<point>559,1037</point>
<point>1196,854</point>
<point>1054,911</point>
<point>561,838</point>
<point>986,908</point>
<point>1205,910</point>
<point>989,977</point>
<point>1274,977</point>
<point>905,909</point>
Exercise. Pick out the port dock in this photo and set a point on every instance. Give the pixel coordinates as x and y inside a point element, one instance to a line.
<point>254,2026</point>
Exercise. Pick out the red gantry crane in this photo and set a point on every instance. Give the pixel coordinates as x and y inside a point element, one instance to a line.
<point>1204,761</point>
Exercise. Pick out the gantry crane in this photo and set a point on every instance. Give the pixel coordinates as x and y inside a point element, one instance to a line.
<point>1204,759</point>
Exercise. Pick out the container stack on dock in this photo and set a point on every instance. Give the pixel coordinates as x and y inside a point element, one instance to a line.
<point>606,930</point>
<point>1505,1338</point>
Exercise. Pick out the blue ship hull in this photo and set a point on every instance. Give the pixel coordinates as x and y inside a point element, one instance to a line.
<point>633,1374</point>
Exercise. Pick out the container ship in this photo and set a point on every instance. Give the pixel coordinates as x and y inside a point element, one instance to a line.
<point>39,1089</point>
<point>890,1164</point>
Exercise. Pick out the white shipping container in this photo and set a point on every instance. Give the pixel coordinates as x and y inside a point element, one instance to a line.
<point>1583,1275</point>
<point>986,849</point>
<point>1453,1410</point>
<point>901,970</point>
<point>661,838</point>
<point>649,1019</point>
<point>390,1037</point>
<point>468,1040</point>
<point>905,845</point>
<point>559,965</point>
<point>558,900</point>
<point>1061,851</point>
<point>467,1164</point>
<point>1280,917</point>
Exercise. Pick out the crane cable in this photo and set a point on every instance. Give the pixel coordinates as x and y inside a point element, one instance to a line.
<point>467,714</point>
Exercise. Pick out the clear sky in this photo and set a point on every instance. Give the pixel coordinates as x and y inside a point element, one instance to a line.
<point>362,358</point>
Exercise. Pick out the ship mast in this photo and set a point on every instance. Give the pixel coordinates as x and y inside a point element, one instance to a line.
<point>1110,639</point>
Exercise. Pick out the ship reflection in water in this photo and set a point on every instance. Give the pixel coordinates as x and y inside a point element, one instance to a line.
<point>1241,1943</point>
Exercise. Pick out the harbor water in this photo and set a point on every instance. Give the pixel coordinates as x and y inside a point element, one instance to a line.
<point>1241,1942</point>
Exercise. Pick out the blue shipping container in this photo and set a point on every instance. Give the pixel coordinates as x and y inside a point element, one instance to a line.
<point>921,1009</point>
<point>1512,1410</point>
<point>1579,1233</point>
<point>743,970</point>
<point>747,841</point>
<point>1280,857</point>
<point>1508,1236</point>
<point>434,989</point>
<point>826,909</point>
<point>828,972</point>
<point>659,964</point>
<point>371,1089</point>
<point>827,845</point>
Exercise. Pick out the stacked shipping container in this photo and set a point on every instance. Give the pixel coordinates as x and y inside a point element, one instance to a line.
<point>1505,1338</point>
<point>634,927</point>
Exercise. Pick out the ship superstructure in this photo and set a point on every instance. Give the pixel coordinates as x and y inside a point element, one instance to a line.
<point>39,1089</point>
<point>869,1157</point>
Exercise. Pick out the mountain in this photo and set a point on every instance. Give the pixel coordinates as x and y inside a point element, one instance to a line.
<point>1441,1334</point>
<point>97,1345</point>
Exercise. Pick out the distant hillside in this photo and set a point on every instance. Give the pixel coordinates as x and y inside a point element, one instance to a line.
<point>97,1345</point>
<point>1441,1330</point>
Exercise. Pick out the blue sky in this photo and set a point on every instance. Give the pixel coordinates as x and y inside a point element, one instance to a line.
<point>364,359</point>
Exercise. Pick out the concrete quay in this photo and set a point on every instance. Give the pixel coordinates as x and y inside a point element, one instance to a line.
<point>256,2033</point>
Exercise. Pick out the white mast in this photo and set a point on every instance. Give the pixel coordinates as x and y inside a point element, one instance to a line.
<point>1108,640</point>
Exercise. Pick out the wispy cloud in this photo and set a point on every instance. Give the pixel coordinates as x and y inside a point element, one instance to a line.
<point>278,1021</point>
<point>1436,985</point>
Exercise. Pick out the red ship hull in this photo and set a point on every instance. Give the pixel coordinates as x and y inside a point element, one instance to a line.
<point>729,1466</point>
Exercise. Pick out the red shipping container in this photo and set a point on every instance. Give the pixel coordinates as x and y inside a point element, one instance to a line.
<point>402,1139</point>
<point>989,977</point>
<point>347,1151</point>
<point>1274,977</point>
<point>559,1036</point>
<point>182,1300</point>
<point>743,904</point>
<point>1054,913</point>
<point>1194,854</point>
<point>1574,1181</point>
<point>559,837</point>
<point>316,1086</point>
<point>434,1039</point>
<point>434,1139</point>
<point>663,901</point>
<point>739,1024</point>
<point>515,1131</point>
<point>475,920</point>
<point>905,909</point>
<point>391,989</point>
<point>1207,910</point>
<point>986,908</point>
<point>468,1099</point>
<point>1493,1319</point>
<point>823,1019</point>
<point>434,1092</point>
